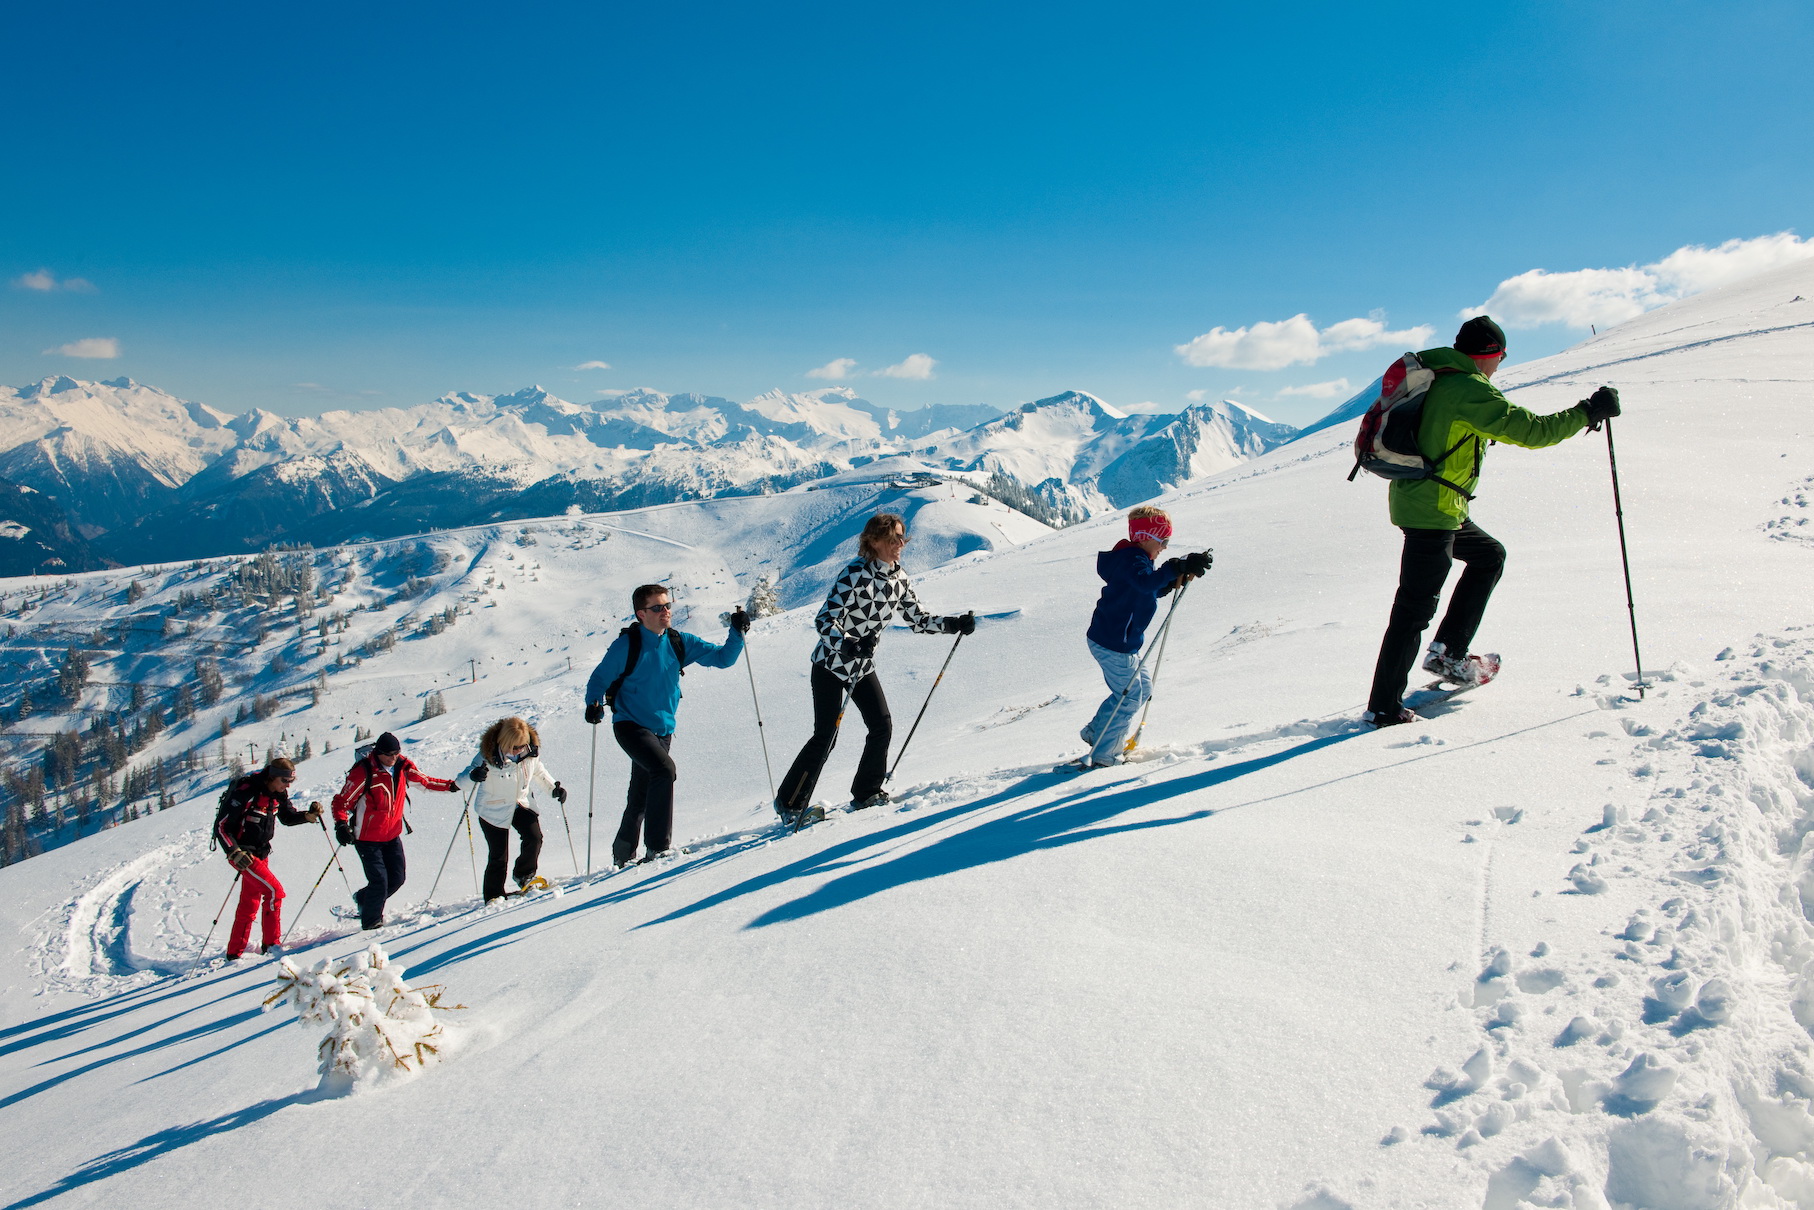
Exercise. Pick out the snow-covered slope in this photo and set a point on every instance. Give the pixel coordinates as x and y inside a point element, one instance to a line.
<point>1549,948</point>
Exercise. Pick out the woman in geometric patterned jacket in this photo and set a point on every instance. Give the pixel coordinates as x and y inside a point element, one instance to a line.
<point>863,600</point>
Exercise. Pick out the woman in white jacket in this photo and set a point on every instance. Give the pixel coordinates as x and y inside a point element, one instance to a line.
<point>507,768</point>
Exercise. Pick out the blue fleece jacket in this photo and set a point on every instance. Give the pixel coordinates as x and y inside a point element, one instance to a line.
<point>650,695</point>
<point>1130,596</point>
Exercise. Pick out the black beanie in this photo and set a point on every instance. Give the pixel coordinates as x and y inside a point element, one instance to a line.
<point>1480,337</point>
<point>387,743</point>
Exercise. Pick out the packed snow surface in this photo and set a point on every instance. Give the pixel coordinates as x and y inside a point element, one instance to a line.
<point>1549,947</point>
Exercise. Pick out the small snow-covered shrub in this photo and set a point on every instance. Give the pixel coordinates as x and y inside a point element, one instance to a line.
<point>377,1023</point>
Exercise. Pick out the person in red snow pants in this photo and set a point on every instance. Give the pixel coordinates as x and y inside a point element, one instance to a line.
<point>249,814</point>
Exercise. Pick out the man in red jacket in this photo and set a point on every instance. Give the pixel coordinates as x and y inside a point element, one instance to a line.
<point>368,814</point>
<point>248,818</point>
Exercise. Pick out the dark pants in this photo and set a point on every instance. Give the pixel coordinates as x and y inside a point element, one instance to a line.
<point>1422,571</point>
<point>802,778</point>
<point>383,862</point>
<point>649,809</point>
<point>528,827</point>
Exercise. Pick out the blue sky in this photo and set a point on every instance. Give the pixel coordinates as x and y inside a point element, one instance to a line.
<point>351,206</point>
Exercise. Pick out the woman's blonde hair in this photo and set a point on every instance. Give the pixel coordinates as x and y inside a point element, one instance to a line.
<point>1142,511</point>
<point>878,527</point>
<point>505,734</point>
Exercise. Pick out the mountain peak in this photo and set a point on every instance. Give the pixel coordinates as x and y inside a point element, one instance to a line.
<point>1074,399</point>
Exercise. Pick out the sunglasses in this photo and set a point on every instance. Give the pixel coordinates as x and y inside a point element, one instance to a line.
<point>665,607</point>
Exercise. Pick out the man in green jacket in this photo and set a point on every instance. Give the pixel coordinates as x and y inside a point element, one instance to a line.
<point>1461,414</point>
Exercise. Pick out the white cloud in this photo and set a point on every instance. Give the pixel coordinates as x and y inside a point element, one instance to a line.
<point>105,347</point>
<point>914,365</point>
<point>46,281</point>
<point>1321,390</point>
<point>835,369</point>
<point>593,365</point>
<point>1599,297</point>
<point>1197,396</point>
<point>1294,341</point>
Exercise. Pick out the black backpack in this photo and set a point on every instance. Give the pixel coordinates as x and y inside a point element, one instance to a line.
<point>634,633</point>
<point>221,808</point>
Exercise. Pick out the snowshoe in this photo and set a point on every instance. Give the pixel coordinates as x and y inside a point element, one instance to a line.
<point>1083,764</point>
<point>537,883</point>
<point>1394,719</point>
<point>879,798</point>
<point>1465,672</point>
<point>806,817</point>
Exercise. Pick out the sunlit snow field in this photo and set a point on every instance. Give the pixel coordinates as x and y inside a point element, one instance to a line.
<point>1548,947</point>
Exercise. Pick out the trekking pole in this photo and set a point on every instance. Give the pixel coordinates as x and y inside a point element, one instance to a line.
<point>923,705</point>
<point>449,853</point>
<point>591,793</point>
<point>311,895</point>
<point>472,851</point>
<point>757,702</point>
<point>1618,510</point>
<point>570,854</point>
<point>237,875</point>
<point>1158,659</point>
<point>335,850</point>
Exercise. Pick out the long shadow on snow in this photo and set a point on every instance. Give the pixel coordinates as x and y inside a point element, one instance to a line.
<point>508,930</point>
<point>1067,820</point>
<point>162,1143</point>
<point>189,1035</point>
<point>72,1021</point>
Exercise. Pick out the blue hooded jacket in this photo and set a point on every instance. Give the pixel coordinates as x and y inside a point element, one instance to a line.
<point>1130,596</point>
<point>650,695</point>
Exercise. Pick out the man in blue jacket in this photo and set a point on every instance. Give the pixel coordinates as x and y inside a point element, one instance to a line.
<point>1131,590</point>
<point>639,678</point>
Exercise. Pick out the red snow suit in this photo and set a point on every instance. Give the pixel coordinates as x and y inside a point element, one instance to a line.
<point>375,798</point>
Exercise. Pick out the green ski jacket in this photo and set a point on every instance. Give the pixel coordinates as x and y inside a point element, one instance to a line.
<point>1462,412</point>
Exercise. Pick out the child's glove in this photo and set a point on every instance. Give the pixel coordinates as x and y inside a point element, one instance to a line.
<point>1197,562</point>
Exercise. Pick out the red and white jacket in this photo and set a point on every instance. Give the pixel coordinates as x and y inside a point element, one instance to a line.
<point>375,797</point>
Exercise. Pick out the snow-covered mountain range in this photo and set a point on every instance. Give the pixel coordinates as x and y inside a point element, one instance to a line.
<point>143,475</point>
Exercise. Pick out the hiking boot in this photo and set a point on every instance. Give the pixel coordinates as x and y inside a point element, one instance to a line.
<point>1390,718</point>
<point>874,800</point>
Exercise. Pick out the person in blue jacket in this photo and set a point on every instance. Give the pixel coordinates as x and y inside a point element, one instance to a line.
<point>1131,590</point>
<point>639,678</point>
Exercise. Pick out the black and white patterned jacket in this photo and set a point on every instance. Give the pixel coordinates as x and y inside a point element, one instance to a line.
<point>862,602</point>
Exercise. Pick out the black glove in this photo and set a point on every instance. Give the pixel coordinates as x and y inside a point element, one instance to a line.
<point>740,621</point>
<point>860,648</point>
<point>961,623</point>
<point>343,831</point>
<point>1602,405</point>
<point>239,859</point>
<point>595,713</point>
<point>1197,562</point>
<point>560,793</point>
<point>480,773</point>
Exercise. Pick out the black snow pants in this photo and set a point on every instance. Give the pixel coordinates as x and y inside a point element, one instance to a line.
<point>649,809</point>
<point>383,862</point>
<point>802,778</point>
<point>528,827</point>
<point>1422,570</point>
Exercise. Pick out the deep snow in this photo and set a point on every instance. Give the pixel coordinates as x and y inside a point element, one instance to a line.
<point>1550,947</point>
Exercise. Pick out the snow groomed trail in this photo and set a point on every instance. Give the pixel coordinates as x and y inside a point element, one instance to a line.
<point>1550,947</point>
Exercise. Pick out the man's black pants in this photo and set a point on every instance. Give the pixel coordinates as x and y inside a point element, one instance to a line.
<point>872,768</point>
<point>528,827</point>
<point>1422,570</point>
<point>383,862</point>
<point>649,809</point>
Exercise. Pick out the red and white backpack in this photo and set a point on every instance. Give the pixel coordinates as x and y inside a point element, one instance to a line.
<point>1387,442</point>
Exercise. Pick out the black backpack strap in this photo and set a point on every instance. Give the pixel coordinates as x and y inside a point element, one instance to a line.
<point>680,649</point>
<point>634,633</point>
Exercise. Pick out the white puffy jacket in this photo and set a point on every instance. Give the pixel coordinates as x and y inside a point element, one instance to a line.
<point>506,789</point>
